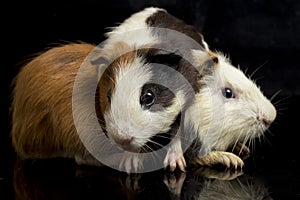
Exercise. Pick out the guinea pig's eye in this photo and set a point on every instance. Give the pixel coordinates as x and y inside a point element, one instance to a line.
<point>228,93</point>
<point>147,99</point>
<point>108,94</point>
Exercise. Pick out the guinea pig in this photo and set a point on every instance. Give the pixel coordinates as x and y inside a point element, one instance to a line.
<point>157,27</point>
<point>228,110</point>
<point>131,95</point>
<point>145,104</point>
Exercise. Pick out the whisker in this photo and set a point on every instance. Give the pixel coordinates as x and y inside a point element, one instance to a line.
<point>282,109</point>
<point>267,141</point>
<point>143,137</point>
<point>259,139</point>
<point>280,114</point>
<point>281,100</point>
<point>246,70</point>
<point>270,132</point>
<point>156,143</point>
<point>147,147</point>
<point>245,141</point>
<point>274,95</point>
<point>258,68</point>
<point>252,145</point>
<point>249,144</point>
<point>237,140</point>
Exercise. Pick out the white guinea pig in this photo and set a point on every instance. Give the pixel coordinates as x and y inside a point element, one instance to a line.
<point>228,111</point>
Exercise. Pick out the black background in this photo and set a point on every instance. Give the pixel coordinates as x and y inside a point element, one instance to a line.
<point>254,33</point>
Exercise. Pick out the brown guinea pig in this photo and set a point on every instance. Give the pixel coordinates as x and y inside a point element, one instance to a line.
<point>129,105</point>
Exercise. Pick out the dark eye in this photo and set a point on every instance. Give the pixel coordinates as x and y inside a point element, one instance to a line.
<point>228,93</point>
<point>109,94</point>
<point>147,99</point>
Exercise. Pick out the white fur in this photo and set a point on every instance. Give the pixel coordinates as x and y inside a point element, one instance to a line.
<point>221,122</point>
<point>127,117</point>
<point>134,30</point>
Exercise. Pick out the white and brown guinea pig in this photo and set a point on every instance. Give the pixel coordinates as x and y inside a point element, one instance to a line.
<point>130,97</point>
<point>157,27</point>
<point>144,104</point>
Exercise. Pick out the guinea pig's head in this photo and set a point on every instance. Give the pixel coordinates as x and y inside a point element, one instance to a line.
<point>229,107</point>
<point>135,107</point>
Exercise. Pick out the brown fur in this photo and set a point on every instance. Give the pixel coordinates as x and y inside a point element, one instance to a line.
<point>164,20</point>
<point>42,121</point>
<point>42,118</point>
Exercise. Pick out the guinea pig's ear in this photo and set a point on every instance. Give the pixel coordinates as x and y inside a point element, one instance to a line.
<point>205,61</point>
<point>100,63</point>
<point>98,58</point>
<point>110,52</point>
<point>163,57</point>
<point>104,56</point>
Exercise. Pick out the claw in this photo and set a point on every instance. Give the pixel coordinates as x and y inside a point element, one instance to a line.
<point>241,150</point>
<point>130,162</point>
<point>175,161</point>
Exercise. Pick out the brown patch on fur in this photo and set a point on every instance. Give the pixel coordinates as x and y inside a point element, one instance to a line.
<point>42,120</point>
<point>164,20</point>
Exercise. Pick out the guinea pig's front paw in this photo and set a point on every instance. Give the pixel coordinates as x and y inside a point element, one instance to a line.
<point>175,160</point>
<point>241,150</point>
<point>227,159</point>
<point>130,163</point>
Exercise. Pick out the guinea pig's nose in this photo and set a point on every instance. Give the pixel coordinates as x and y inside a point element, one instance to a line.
<point>123,140</point>
<point>267,122</point>
<point>264,120</point>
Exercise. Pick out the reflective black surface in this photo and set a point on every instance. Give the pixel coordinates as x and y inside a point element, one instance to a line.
<point>271,173</point>
<point>254,34</point>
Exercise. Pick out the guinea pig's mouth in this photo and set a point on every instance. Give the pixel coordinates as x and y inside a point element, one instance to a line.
<point>127,144</point>
<point>130,147</point>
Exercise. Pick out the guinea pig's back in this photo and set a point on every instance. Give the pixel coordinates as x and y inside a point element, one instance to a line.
<point>42,121</point>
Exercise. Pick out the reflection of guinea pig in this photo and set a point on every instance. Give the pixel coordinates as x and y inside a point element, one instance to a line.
<point>129,98</point>
<point>242,187</point>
